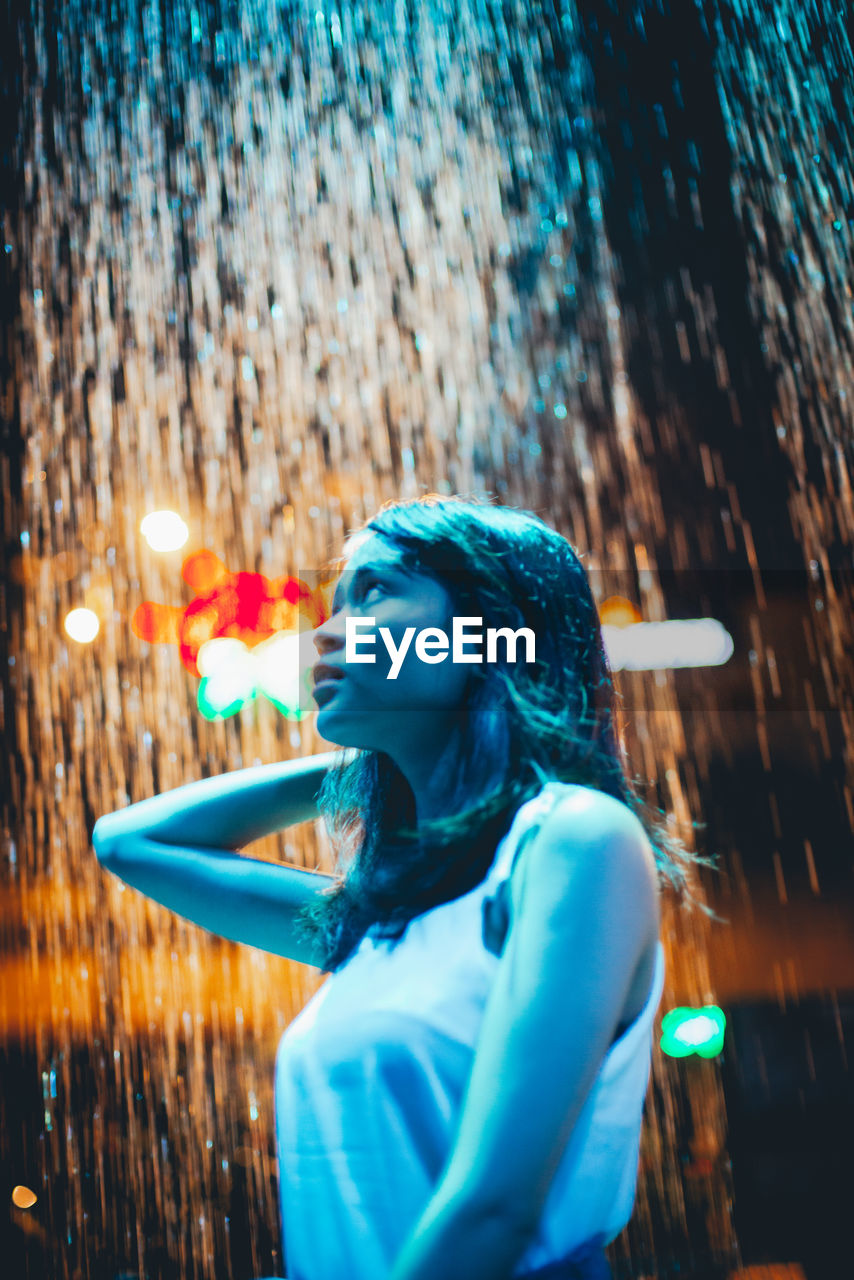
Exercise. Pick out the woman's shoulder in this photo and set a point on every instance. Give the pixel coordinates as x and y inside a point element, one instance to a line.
<point>581,830</point>
<point>573,813</point>
<point>584,813</point>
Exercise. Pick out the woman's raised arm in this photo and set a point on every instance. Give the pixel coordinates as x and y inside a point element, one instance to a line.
<point>180,848</point>
<point>227,811</point>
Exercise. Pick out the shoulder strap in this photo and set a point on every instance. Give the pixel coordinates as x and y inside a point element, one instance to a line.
<point>528,817</point>
<point>496,906</point>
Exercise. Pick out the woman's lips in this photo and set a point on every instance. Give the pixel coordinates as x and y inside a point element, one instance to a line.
<point>326,671</point>
<point>325,688</point>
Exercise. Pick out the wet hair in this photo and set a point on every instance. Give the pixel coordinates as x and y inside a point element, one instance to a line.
<point>520,724</point>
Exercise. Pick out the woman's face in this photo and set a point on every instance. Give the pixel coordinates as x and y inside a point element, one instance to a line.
<point>364,707</point>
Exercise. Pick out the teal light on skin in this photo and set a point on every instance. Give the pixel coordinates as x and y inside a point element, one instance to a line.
<point>685,1031</point>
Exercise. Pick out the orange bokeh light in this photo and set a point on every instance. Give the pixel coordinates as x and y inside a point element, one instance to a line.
<point>617,611</point>
<point>245,606</point>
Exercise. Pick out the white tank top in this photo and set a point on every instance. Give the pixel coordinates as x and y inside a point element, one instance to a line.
<point>369,1082</point>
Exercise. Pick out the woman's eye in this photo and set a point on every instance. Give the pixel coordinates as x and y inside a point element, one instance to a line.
<point>359,594</point>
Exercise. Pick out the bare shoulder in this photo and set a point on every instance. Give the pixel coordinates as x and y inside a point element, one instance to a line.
<point>585,816</point>
<point>595,844</point>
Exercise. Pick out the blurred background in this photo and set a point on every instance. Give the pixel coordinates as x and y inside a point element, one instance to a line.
<point>267,266</point>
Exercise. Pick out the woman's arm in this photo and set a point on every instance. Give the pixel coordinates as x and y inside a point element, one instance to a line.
<point>240,898</point>
<point>227,811</point>
<point>584,911</point>
<point>179,848</point>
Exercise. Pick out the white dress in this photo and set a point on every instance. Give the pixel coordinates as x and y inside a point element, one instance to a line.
<point>369,1081</point>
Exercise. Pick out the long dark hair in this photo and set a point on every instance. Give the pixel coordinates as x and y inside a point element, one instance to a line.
<point>521,725</point>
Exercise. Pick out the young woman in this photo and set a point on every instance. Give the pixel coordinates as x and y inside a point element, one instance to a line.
<point>462,1098</point>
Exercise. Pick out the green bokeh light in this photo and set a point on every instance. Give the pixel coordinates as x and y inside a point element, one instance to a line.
<point>685,1031</point>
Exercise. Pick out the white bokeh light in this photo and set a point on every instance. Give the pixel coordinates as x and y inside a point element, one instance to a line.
<point>697,1030</point>
<point>82,625</point>
<point>164,530</point>
<point>657,646</point>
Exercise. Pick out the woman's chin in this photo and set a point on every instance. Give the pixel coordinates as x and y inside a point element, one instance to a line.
<point>334,728</point>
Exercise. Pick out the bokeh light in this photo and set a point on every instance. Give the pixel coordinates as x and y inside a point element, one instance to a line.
<point>693,1031</point>
<point>23,1197</point>
<point>164,530</point>
<point>82,625</point>
<point>617,611</point>
<point>657,646</point>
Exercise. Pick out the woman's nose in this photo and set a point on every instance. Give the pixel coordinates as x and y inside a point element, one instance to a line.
<point>325,639</point>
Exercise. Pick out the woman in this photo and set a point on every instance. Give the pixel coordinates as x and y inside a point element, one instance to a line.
<point>462,1098</point>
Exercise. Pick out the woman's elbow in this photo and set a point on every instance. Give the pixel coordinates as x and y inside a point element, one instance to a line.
<point>104,845</point>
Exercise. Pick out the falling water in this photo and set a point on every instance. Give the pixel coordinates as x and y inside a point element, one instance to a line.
<point>272,266</point>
